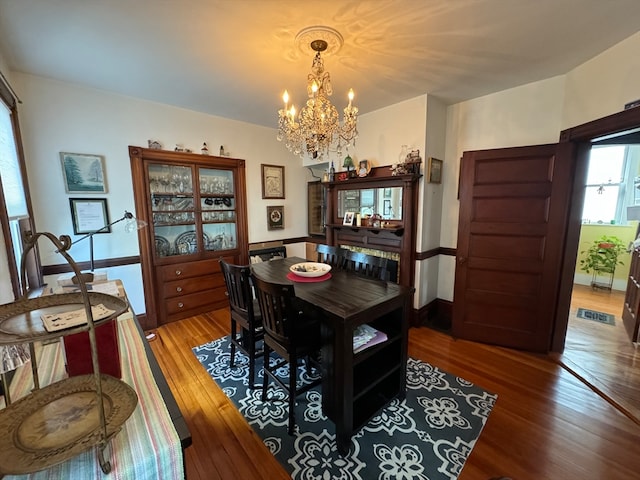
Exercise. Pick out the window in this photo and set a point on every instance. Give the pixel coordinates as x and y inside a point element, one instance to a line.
<point>15,217</point>
<point>610,184</point>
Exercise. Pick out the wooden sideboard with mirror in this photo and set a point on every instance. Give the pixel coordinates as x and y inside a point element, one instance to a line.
<point>391,201</point>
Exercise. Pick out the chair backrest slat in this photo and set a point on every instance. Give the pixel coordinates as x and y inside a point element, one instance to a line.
<point>237,279</point>
<point>277,305</point>
<point>331,255</point>
<point>368,265</point>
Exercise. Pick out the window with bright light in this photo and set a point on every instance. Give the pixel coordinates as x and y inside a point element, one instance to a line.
<point>607,180</point>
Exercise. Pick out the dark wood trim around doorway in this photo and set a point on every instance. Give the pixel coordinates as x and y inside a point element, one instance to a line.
<point>580,139</point>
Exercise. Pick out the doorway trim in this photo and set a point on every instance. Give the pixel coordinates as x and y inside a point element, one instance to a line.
<point>581,138</point>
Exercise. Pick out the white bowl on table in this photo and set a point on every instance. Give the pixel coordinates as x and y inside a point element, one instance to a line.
<point>310,269</point>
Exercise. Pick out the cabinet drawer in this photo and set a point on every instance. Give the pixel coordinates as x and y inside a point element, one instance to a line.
<point>195,300</point>
<point>187,286</point>
<point>177,271</point>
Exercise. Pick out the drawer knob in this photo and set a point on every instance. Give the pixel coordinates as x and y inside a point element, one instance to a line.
<point>178,289</point>
<point>180,305</point>
<point>178,272</point>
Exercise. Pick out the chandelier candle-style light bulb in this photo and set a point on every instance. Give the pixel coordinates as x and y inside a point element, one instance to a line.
<point>316,130</point>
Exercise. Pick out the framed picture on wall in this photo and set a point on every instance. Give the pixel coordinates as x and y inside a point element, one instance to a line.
<point>272,181</point>
<point>89,215</point>
<point>83,173</point>
<point>275,217</point>
<point>434,174</point>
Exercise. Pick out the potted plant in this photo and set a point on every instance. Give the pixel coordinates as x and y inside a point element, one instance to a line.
<point>602,255</point>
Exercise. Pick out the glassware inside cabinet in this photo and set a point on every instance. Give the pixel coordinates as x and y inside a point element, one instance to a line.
<point>215,181</point>
<point>218,203</point>
<point>178,240</point>
<point>171,179</point>
<point>171,203</point>
<point>222,236</point>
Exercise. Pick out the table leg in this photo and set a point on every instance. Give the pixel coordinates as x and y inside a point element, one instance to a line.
<point>343,385</point>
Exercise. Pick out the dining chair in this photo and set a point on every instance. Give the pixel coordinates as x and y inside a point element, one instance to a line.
<point>294,335</point>
<point>245,313</point>
<point>331,255</point>
<point>368,265</point>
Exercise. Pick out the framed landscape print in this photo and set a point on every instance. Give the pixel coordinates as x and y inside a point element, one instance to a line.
<point>83,173</point>
<point>272,181</point>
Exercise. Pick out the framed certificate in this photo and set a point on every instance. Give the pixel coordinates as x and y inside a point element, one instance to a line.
<point>89,215</point>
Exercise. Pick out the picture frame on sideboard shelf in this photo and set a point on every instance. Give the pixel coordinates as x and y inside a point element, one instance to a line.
<point>348,218</point>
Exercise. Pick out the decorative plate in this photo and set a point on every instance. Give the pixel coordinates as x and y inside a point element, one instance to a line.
<point>364,167</point>
<point>62,420</point>
<point>163,247</point>
<point>186,242</point>
<point>310,269</point>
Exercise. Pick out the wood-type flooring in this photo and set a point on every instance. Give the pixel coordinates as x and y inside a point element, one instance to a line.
<point>546,424</point>
<point>601,354</point>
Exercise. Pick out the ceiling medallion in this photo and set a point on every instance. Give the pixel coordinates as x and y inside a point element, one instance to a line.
<point>316,130</point>
<point>307,36</point>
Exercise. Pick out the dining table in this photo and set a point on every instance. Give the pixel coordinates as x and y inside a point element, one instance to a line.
<point>355,386</point>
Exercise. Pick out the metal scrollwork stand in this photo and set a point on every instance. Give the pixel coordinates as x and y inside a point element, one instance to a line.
<point>61,420</point>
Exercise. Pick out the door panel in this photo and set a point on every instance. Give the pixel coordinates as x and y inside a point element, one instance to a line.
<point>631,307</point>
<point>512,226</point>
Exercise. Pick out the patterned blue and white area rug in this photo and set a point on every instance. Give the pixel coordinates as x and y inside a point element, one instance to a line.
<point>427,436</point>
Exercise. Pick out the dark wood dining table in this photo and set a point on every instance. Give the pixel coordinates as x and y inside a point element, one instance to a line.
<point>354,386</point>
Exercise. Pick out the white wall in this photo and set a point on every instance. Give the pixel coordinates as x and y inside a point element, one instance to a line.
<point>525,115</point>
<point>534,114</point>
<point>59,117</point>
<point>604,84</point>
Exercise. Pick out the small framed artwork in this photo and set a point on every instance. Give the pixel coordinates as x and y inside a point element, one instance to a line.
<point>348,218</point>
<point>434,174</point>
<point>275,217</point>
<point>83,173</point>
<point>387,193</point>
<point>89,215</point>
<point>272,181</point>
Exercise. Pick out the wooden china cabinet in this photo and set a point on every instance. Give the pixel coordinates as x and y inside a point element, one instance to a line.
<point>196,212</point>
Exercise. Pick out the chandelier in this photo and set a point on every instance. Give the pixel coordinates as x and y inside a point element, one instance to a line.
<point>316,129</point>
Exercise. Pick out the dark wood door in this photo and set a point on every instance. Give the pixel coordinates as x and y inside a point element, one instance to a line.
<point>511,235</point>
<point>632,298</point>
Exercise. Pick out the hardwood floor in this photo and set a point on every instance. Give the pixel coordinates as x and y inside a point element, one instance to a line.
<point>602,355</point>
<point>546,423</point>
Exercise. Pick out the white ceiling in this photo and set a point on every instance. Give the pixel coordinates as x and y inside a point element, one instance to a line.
<point>234,58</point>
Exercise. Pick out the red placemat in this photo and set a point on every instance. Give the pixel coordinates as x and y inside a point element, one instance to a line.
<point>297,278</point>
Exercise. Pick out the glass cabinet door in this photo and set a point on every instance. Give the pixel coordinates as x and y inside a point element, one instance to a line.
<point>217,208</point>
<point>172,205</point>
